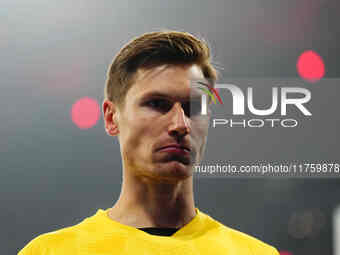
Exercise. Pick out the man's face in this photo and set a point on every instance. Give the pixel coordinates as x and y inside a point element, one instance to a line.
<point>158,136</point>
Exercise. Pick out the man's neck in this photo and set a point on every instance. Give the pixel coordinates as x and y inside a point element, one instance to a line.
<point>160,205</point>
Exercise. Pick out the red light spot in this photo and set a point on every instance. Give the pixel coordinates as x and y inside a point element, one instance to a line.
<point>310,66</point>
<point>85,113</point>
<point>285,253</point>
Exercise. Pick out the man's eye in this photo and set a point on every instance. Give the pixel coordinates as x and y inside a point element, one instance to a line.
<point>160,104</point>
<point>192,108</point>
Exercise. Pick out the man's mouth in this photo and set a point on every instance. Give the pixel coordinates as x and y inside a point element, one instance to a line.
<point>176,148</point>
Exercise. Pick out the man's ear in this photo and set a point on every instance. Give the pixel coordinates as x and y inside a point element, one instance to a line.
<point>110,111</point>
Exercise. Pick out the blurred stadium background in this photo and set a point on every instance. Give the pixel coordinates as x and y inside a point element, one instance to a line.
<point>58,166</point>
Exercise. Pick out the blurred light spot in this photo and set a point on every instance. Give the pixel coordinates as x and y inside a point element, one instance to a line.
<point>310,66</point>
<point>85,113</point>
<point>285,253</point>
<point>306,224</point>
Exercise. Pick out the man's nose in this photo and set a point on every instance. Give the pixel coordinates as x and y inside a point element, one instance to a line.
<point>180,123</point>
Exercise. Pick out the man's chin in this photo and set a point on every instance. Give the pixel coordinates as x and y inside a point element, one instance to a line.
<point>176,169</point>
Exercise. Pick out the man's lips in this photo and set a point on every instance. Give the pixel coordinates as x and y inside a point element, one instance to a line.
<point>175,148</point>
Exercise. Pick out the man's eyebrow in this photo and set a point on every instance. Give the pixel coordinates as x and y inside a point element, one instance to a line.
<point>205,83</point>
<point>157,94</point>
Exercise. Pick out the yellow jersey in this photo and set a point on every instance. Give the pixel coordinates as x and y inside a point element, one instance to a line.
<point>100,235</point>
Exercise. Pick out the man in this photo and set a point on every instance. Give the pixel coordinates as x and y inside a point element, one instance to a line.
<point>162,136</point>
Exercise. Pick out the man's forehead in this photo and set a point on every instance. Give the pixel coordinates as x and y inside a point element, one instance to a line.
<point>177,82</point>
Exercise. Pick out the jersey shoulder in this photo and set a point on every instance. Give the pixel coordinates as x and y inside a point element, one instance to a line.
<point>255,245</point>
<point>242,243</point>
<point>44,243</point>
<point>86,235</point>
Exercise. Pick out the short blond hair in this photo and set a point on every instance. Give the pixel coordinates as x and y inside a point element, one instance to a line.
<point>151,50</point>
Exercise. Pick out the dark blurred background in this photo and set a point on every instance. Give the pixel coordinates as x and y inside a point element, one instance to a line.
<point>58,167</point>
